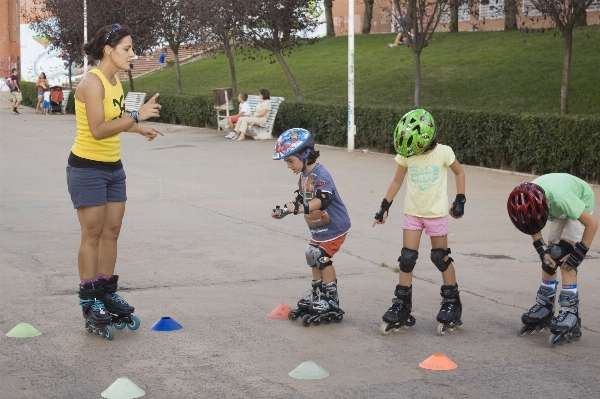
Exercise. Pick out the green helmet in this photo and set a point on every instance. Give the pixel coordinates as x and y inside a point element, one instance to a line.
<point>413,134</point>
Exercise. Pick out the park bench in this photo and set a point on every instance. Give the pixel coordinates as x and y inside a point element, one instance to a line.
<point>263,132</point>
<point>134,100</point>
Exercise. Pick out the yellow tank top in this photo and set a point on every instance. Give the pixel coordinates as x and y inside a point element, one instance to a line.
<point>109,148</point>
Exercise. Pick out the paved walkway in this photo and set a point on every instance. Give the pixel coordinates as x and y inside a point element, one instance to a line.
<point>198,245</point>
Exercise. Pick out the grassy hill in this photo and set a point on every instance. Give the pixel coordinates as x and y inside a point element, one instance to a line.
<point>501,71</point>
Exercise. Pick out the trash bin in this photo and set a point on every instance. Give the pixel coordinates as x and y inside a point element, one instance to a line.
<point>219,100</point>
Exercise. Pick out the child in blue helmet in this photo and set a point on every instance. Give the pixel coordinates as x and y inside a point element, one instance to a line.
<point>327,218</point>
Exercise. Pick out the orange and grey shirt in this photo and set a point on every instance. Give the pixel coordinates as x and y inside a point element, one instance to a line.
<point>107,149</point>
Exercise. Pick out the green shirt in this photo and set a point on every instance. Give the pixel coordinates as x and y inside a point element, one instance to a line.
<point>567,195</point>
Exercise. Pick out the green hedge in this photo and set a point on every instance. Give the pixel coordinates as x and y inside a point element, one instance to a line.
<point>535,144</point>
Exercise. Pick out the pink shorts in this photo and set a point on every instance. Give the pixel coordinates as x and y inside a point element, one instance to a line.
<point>434,227</point>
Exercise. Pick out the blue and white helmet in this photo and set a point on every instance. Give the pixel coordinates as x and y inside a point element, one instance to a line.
<point>293,142</point>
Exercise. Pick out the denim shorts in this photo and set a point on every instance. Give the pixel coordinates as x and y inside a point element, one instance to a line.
<point>95,187</point>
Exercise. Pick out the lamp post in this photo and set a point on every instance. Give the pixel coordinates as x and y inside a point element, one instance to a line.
<point>85,38</point>
<point>351,125</point>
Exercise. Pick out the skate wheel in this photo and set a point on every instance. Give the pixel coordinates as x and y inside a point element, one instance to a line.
<point>441,329</point>
<point>458,325</point>
<point>292,316</point>
<point>95,330</point>
<point>553,340</point>
<point>108,333</point>
<point>384,329</point>
<point>119,325</point>
<point>523,329</point>
<point>327,320</point>
<point>101,333</point>
<point>338,319</point>
<point>134,324</point>
<point>306,320</point>
<point>316,322</point>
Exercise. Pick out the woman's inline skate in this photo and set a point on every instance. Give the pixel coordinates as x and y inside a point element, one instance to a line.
<point>325,308</point>
<point>451,310</point>
<point>540,316</point>
<point>120,310</point>
<point>566,327</point>
<point>398,316</point>
<point>97,318</point>
<point>306,301</point>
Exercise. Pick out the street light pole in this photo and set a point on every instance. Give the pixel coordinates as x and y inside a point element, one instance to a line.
<point>85,38</point>
<point>351,125</point>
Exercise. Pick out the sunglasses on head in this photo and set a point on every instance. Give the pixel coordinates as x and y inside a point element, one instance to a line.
<point>113,28</point>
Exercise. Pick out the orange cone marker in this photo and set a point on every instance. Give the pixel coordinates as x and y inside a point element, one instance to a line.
<point>280,312</point>
<point>438,361</point>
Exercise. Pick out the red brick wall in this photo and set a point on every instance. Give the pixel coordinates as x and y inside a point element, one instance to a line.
<point>10,44</point>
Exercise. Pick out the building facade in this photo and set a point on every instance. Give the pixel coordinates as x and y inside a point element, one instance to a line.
<point>10,37</point>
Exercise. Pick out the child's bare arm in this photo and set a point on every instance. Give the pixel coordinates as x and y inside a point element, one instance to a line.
<point>457,209</point>
<point>390,195</point>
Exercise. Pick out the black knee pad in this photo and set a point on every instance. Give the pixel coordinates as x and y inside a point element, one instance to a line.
<point>317,257</point>
<point>560,249</point>
<point>437,257</point>
<point>408,259</point>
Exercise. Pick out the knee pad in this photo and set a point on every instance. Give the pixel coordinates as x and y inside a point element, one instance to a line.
<point>317,257</point>
<point>437,257</point>
<point>560,249</point>
<point>408,259</point>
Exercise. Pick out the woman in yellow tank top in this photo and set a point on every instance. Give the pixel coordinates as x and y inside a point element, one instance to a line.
<point>96,178</point>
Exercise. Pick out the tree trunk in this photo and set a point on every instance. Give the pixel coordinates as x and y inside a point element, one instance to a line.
<point>289,75</point>
<point>417,79</point>
<point>582,20</point>
<point>130,80</point>
<point>177,71</point>
<point>564,90</point>
<point>329,18</point>
<point>454,16</point>
<point>367,17</point>
<point>229,53</point>
<point>71,75</point>
<point>511,9</point>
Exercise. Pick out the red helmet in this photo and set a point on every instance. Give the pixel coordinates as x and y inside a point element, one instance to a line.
<point>527,208</point>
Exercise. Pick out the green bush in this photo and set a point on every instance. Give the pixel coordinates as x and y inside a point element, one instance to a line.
<point>535,144</point>
<point>187,110</point>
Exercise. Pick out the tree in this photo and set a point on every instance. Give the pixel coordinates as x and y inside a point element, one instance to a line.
<point>268,21</point>
<point>61,22</point>
<point>419,18</point>
<point>565,14</point>
<point>511,10</point>
<point>224,20</point>
<point>178,24</point>
<point>367,17</point>
<point>329,18</point>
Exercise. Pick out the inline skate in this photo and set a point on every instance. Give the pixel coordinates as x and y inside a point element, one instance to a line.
<point>325,308</point>
<point>398,316</point>
<point>566,327</point>
<point>97,318</point>
<point>120,310</point>
<point>306,301</point>
<point>451,310</point>
<point>540,316</point>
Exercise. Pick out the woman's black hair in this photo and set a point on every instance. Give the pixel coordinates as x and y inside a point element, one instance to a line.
<point>265,94</point>
<point>312,157</point>
<point>432,144</point>
<point>110,35</point>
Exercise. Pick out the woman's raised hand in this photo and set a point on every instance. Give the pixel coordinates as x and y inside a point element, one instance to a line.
<point>150,110</point>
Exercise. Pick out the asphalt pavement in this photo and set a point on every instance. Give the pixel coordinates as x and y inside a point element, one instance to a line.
<point>198,245</point>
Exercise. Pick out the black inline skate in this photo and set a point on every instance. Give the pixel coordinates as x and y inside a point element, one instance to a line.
<point>566,327</point>
<point>306,301</point>
<point>451,310</point>
<point>121,311</point>
<point>325,308</point>
<point>540,316</point>
<point>97,318</point>
<point>398,316</point>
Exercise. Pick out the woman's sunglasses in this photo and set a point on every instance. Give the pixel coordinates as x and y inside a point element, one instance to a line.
<point>113,28</point>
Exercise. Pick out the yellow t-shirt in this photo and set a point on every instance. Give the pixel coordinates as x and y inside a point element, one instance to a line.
<point>86,146</point>
<point>427,182</point>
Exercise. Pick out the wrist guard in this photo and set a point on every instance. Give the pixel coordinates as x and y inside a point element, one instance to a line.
<point>306,208</point>
<point>385,207</point>
<point>458,206</point>
<point>296,207</point>
<point>577,256</point>
<point>542,249</point>
<point>283,212</point>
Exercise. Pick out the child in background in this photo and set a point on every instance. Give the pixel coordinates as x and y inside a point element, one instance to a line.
<point>568,202</point>
<point>326,217</point>
<point>46,104</point>
<point>425,207</point>
<point>244,111</point>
